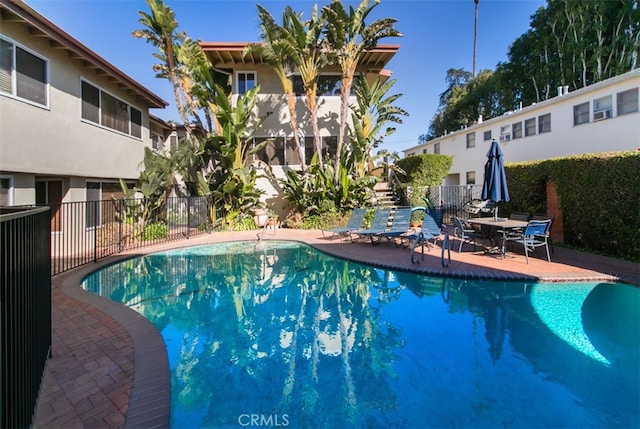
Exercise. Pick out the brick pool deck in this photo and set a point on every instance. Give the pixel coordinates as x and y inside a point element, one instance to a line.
<point>109,369</point>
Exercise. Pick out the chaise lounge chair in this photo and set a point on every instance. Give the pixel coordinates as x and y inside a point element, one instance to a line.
<point>400,221</point>
<point>429,231</point>
<point>380,223</point>
<point>354,223</point>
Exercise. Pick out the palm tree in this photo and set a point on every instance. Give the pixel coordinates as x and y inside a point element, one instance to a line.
<point>301,39</point>
<point>374,110</point>
<point>348,38</point>
<point>277,53</point>
<point>161,26</point>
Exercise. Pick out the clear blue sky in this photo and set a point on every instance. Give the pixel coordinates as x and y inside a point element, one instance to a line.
<point>438,35</point>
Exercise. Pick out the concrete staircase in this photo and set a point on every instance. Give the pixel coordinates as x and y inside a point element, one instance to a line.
<point>385,195</point>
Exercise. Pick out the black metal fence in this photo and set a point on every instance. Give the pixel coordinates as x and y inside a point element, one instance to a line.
<point>25,311</point>
<point>87,231</point>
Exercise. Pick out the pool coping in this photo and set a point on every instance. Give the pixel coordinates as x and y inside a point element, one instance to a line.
<point>149,400</point>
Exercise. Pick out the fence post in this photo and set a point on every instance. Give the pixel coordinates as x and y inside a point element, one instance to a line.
<point>95,230</point>
<point>121,215</point>
<point>188,216</point>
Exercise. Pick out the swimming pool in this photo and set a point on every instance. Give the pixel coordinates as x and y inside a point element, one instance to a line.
<point>281,335</point>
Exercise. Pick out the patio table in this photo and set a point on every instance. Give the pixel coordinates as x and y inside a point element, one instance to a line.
<point>501,224</point>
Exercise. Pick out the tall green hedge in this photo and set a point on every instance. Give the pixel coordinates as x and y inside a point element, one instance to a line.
<point>421,171</point>
<point>599,198</point>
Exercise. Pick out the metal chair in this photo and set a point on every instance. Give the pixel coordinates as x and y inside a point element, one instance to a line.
<point>535,235</point>
<point>465,234</point>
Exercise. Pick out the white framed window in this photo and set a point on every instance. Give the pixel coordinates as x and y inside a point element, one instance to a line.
<point>23,74</point>
<point>471,140</point>
<point>471,177</point>
<point>530,127</point>
<point>516,129</point>
<point>544,123</point>
<point>627,101</point>
<point>156,140</point>
<point>106,110</point>
<point>603,108</point>
<point>505,133</point>
<point>173,141</point>
<point>436,148</point>
<point>486,135</point>
<point>581,113</point>
<point>6,191</point>
<point>245,80</point>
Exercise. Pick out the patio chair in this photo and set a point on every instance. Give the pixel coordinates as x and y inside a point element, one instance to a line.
<point>400,220</point>
<point>535,235</point>
<point>429,231</point>
<point>355,222</point>
<point>546,217</point>
<point>380,223</point>
<point>465,234</point>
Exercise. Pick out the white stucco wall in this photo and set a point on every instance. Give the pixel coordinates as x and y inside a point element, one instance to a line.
<point>54,140</point>
<point>619,133</point>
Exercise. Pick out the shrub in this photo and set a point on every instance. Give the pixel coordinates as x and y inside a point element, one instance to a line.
<point>155,231</point>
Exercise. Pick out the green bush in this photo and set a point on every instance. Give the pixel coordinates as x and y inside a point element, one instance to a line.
<point>421,171</point>
<point>155,231</point>
<point>599,198</point>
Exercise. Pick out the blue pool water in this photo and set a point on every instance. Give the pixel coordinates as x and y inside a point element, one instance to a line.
<point>281,335</point>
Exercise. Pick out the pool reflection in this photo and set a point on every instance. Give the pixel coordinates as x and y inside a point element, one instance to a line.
<point>284,331</point>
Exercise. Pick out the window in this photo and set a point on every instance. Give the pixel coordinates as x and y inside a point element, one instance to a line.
<point>423,151</point>
<point>471,177</point>
<point>436,148</point>
<point>5,191</point>
<point>94,195</point>
<point>328,85</point>
<point>471,140</point>
<point>272,153</point>
<point>505,133</point>
<point>602,108</point>
<point>135,117</point>
<point>329,146</point>
<point>627,101</point>
<point>544,123</point>
<point>23,74</point>
<point>581,114</point>
<point>530,127</point>
<point>516,129</point>
<point>487,135</point>
<point>156,141</point>
<point>309,149</point>
<point>246,81</point>
<point>173,141</point>
<point>291,153</point>
<point>108,111</point>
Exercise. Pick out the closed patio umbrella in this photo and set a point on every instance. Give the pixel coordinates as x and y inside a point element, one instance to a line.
<point>494,186</point>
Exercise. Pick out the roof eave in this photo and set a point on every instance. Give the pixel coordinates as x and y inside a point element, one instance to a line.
<point>79,51</point>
